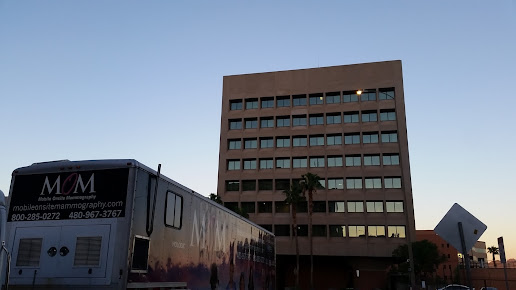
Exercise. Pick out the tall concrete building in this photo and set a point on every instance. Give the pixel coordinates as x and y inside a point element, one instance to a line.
<point>343,123</point>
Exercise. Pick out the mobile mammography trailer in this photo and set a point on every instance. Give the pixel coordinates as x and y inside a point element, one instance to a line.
<point>117,224</point>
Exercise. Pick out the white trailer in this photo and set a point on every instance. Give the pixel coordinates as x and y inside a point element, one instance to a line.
<point>117,224</point>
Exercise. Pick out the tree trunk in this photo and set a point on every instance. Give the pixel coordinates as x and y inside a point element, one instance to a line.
<point>294,218</point>
<point>310,211</point>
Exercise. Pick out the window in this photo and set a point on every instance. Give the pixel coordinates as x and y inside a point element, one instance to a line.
<point>251,104</point>
<point>316,99</point>
<point>391,159</point>
<point>387,115</point>
<point>283,101</point>
<point>319,206</point>
<point>267,227</point>
<point>248,185</point>
<point>233,164</point>
<point>267,102</point>
<point>389,137</point>
<point>251,123</point>
<point>355,206</point>
<point>232,185</point>
<point>392,182</point>
<point>299,120</point>
<point>281,207</point>
<point>316,161</point>
<point>319,230</point>
<point>302,230</point>
<point>351,117</point>
<point>369,116</point>
<point>174,210</point>
<point>368,95</point>
<point>334,161</point>
<point>373,182</point>
<point>234,144</point>
<point>333,98</point>
<point>282,142</point>
<point>264,184</point>
<point>267,122</point>
<point>333,118</point>
<point>372,160</point>
<point>299,162</point>
<point>336,206</point>
<point>337,231</point>
<point>316,119</point>
<point>235,124</point>
<point>370,137</point>
<point>299,141</point>
<point>231,205</point>
<point>283,121</point>
<point>140,254</point>
<point>352,138</point>
<point>265,207</point>
<point>386,94</point>
<point>282,184</point>
<point>302,207</point>
<point>376,231</point>
<point>266,142</point>
<point>249,164</point>
<point>282,162</point>
<point>348,97</point>
<point>299,100</point>
<point>335,183</point>
<point>396,232</point>
<point>282,230</point>
<point>353,183</point>
<point>266,163</point>
<point>317,140</point>
<point>394,206</point>
<point>353,160</point>
<point>334,139</point>
<point>235,105</point>
<point>248,207</point>
<point>374,206</point>
<point>356,231</point>
<point>250,143</point>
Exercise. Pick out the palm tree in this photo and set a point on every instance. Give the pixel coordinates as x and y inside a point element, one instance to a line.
<point>493,250</point>
<point>216,198</point>
<point>310,184</point>
<point>293,197</point>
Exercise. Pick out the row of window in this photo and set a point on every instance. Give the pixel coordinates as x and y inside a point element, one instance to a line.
<point>313,99</point>
<point>314,140</point>
<point>329,183</point>
<point>321,206</point>
<point>342,231</point>
<point>313,119</point>
<point>313,161</point>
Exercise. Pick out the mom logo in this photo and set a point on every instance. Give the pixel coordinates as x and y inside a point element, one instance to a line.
<point>72,184</point>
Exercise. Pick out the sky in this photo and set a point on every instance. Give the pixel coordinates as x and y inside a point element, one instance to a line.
<point>84,80</point>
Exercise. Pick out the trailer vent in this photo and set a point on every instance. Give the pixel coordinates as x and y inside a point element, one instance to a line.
<point>29,251</point>
<point>87,251</point>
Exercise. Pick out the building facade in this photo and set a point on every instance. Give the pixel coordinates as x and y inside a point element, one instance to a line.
<point>347,125</point>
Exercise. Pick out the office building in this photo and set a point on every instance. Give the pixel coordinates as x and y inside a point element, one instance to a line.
<point>347,125</point>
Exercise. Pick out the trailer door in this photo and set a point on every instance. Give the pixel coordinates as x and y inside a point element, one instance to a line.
<point>61,252</point>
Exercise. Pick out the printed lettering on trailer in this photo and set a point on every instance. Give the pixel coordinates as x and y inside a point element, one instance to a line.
<point>71,195</point>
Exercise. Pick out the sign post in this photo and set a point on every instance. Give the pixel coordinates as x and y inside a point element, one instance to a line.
<point>501,249</point>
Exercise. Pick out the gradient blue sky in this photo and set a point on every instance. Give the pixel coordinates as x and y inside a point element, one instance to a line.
<point>143,80</point>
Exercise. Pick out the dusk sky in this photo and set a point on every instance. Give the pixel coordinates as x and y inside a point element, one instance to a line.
<point>83,80</point>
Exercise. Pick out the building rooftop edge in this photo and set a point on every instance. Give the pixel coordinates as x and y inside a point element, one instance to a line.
<point>323,67</point>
